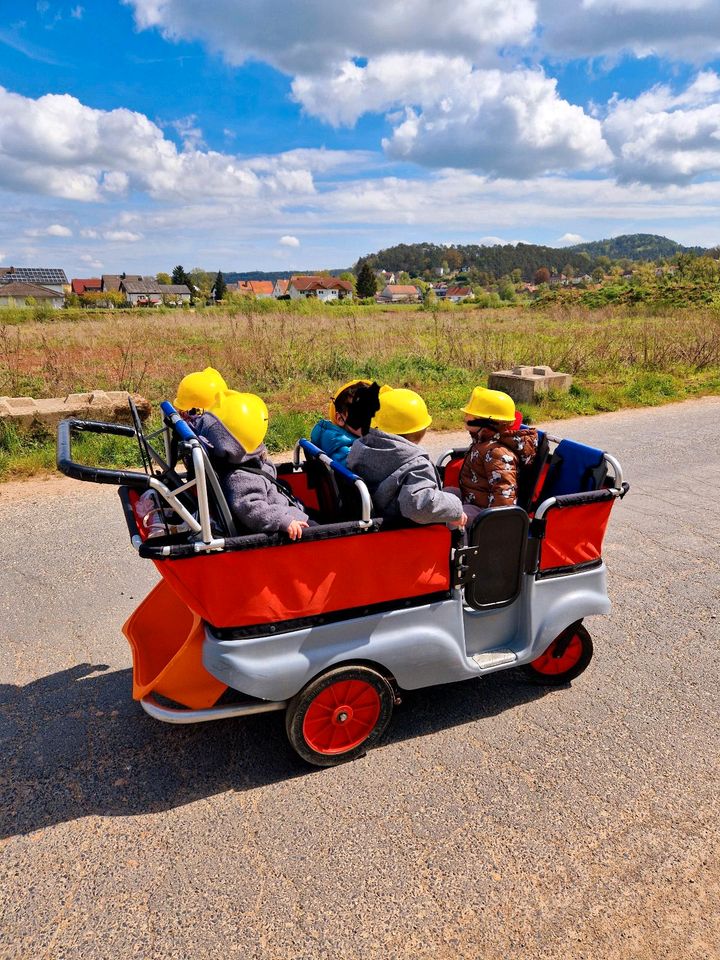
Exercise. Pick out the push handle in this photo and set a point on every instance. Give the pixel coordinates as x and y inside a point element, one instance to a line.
<point>79,471</point>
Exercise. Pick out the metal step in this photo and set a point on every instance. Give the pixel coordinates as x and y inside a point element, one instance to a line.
<point>494,659</point>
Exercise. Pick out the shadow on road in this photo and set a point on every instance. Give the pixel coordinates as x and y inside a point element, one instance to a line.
<point>75,745</point>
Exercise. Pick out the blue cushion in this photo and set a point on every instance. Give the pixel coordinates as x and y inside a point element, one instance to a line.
<point>576,468</point>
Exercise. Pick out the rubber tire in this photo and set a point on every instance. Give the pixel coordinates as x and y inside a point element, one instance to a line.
<point>298,707</point>
<point>559,679</point>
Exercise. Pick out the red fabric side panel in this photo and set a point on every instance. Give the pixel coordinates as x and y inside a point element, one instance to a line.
<point>306,579</point>
<point>452,473</point>
<point>298,483</point>
<point>574,534</point>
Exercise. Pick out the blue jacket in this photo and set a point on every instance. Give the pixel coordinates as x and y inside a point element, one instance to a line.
<point>333,440</point>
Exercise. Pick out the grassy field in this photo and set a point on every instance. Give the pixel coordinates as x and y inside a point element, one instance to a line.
<point>620,357</point>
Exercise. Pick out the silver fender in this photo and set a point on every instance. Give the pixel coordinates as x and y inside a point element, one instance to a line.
<point>556,602</point>
<point>419,646</point>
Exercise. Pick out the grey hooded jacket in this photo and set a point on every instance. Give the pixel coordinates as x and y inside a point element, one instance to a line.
<point>402,479</point>
<point>256,503</point>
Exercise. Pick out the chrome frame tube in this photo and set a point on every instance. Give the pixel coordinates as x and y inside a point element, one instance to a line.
<point>186,715</point>
<point>203,506</point>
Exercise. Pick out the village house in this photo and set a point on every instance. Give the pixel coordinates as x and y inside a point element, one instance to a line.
<point>384,277</point>
<point>51,278</point>
<point>149,293</point>
<point>321,288</point>
<point>399,293</point>
<point>16,294</point>
<point>458,294</point>
<point>110,282</point>
<point>262,289</point>
<point>92,285</point>
<point>280,288</point>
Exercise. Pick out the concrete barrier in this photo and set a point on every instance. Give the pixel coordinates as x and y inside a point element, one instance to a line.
<point>109,406</point>
<point>524,384</point>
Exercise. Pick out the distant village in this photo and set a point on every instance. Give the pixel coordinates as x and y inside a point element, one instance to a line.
<point>50,287</point>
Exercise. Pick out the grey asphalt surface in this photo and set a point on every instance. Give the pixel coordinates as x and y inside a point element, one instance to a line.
<point>498,819</point>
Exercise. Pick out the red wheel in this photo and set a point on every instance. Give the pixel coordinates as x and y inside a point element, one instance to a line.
<point>339,715</point>
<point>566,657</point>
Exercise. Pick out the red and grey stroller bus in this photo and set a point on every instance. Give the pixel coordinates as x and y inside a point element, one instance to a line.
<point>332,628</point>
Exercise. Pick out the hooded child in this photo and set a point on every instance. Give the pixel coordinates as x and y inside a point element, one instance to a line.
<point>401,477</point>
<point>232,431</point>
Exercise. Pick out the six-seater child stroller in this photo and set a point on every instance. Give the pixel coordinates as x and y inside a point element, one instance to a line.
<point>332,628</point>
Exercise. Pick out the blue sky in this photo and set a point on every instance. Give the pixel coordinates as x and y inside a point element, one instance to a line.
<point>274,134</point>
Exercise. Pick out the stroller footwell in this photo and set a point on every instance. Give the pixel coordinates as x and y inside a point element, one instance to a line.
<point>178,715</point>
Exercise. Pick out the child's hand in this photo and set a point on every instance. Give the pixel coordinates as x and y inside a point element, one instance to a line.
<point>458,524</point>
<point>294,531</point>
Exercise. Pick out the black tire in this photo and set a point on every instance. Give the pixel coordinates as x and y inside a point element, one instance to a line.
<point>339,715</point>
<point>573,647</point>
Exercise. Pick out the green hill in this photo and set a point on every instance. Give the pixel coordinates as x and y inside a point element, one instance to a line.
<point>635,246</point>
<point>498,261</point>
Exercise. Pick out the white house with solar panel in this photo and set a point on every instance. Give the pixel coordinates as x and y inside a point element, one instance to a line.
<point>43,284</point>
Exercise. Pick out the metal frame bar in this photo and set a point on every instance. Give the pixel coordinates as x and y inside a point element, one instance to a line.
<point>310,450</point>
<point>185,715</point>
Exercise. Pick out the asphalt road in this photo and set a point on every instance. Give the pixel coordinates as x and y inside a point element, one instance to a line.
<point>498,819</point>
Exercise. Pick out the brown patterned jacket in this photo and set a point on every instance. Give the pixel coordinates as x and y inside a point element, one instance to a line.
<point>489,474</point>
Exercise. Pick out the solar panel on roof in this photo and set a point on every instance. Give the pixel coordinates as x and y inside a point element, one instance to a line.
<point>39,275</point>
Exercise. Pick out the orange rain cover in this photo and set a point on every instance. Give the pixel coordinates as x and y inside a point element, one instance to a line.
<point>166,640</point>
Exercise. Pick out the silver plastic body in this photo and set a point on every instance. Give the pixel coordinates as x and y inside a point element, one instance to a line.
<point>419,646</point>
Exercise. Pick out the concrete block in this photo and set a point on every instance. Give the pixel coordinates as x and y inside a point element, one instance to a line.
<point>109,406</point>
<point>525,384</point>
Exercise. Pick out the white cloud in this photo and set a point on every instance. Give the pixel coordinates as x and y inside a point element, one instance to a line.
<point>663,137</point>
<point>512,123</point>
<point>189,132</point>
<point>685,29</point>
<point>569,239</point>
<point>89,232</point>
<point>54,230</point>
<point>288,241</point>
<point>59,147</point>
<point>91,261</point>
<point>77,12</point>
<point>506,124</point>
<point>122,236</point>
<point>308,36</point>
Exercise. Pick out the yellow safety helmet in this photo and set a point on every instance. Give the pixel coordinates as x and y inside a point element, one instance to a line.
<point>244,415</point>
<point>490,405</point>
<point>401,411</point>
<point>197,391</point>
<point>332,409</point>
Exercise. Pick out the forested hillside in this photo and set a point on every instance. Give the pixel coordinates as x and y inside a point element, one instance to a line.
<point>418,259</point>
<point>635,246</point>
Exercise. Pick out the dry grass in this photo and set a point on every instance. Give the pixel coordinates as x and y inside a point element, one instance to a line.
<point>618,356</point>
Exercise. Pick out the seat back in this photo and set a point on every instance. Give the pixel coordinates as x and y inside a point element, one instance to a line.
<point>497,544</point>
<point>529,477</point>
<point>574,468</point>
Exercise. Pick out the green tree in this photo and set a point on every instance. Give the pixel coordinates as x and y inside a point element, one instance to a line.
<point>506,291</point>
<point>366,282</point>
<point>179,276</point>
<point>164,278</point>
<point>202,282</point>
<point>598,275</point>
<point>220,287</point>
<point>351,278</point>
